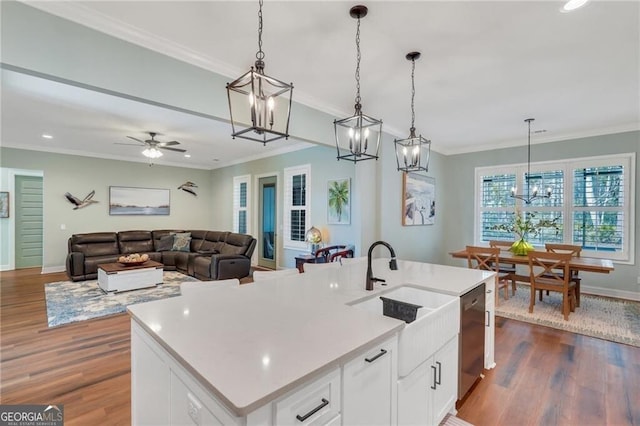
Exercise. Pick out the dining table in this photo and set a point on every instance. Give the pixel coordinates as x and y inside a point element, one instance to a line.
<point>586,264</point>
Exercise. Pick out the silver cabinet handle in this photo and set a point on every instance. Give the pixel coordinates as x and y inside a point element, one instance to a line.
<point>382,352</point>
<point>323,404</point>
<point>488,319</point>
<point>438,382</point>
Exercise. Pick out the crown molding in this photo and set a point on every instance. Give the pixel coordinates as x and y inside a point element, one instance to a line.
<point>630,127</point>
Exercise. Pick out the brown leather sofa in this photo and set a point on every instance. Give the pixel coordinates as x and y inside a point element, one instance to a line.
<point>211,255</point>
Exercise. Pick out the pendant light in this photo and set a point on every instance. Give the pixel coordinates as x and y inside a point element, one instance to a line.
<point>412,153</point>
<point>358,135</point>
<point>259,105</point>
<point>531,194</point>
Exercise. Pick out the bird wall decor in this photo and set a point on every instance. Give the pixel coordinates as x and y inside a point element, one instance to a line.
<point>188,187</point>
<point>81,203</point>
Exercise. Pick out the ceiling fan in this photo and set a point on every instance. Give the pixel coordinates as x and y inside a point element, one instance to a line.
<point>153,146</point>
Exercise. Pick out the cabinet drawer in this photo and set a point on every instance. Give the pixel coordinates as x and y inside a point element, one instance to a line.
<point>368,385</point>
<point>315,404</point>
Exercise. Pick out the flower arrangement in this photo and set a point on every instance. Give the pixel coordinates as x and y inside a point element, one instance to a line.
<point>524,225</point>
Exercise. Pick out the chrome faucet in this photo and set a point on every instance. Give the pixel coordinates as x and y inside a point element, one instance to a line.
<point>392,264</point>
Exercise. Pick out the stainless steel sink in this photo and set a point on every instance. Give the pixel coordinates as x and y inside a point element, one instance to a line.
<point>436,323</point>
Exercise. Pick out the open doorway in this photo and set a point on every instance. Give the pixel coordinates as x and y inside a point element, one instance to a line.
<point>267,213</point>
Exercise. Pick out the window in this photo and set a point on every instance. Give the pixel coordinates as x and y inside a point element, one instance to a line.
<point>590,203</point>
<point>241,204</point>
<point>297,181</point>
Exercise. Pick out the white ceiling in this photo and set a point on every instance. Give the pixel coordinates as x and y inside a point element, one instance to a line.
<point>485,67</point>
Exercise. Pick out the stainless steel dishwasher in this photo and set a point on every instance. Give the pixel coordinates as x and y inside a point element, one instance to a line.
<point>471,348</point>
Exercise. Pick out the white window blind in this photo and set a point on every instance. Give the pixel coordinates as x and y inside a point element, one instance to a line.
<point>597,213</point>
<point>297,181</point>
<point>241,195</point>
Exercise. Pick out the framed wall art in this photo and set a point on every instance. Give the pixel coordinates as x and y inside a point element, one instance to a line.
<point>418,199</point>
<point>125,200</point>
<point>339,202</point>
<point>4,204</point>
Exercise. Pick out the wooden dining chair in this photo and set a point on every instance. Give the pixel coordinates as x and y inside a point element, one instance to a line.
<point>550,271</point>
<point>487,258</point>
<point>505,267</point>
<point>575,251</point>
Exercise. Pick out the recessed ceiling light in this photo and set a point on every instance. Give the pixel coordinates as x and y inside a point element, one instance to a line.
<point>572,5</point>
<point>187,156</point>
<point>46,136</point>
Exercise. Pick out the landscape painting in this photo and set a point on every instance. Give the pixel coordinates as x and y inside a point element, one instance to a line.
<point>138,201</point>
<point>339,202</point>
<point>419,200</point>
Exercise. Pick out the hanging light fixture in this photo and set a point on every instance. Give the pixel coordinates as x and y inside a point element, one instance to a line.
<point>259,105</point>
<point>152,152</point>
<point>358,134</point>
<point>412,153</point>
<point>531,194</point>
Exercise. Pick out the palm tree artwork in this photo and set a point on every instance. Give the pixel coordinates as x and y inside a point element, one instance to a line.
<point>338,199</point>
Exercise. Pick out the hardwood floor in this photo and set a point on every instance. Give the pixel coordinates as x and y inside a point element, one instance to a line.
<point>543,376</point>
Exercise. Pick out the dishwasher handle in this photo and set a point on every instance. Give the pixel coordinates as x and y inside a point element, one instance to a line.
<point>469,305</point>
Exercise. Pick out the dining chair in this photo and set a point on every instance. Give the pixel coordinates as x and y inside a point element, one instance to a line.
<point>575,251</point>
<point>487,258</point>
<point>550,271</point>
<point>333,253</point>
<point>270,275</point>
<point>505,267</point>
<point>196,287</point>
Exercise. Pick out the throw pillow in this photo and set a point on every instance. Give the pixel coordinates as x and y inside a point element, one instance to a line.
<point>181,242</point>
<point>165,243</point>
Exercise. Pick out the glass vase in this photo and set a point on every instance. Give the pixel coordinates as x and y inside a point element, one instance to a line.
<point>521,247</point>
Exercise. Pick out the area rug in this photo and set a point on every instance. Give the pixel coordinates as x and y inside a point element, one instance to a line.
<point>69,301</point>
<point>601,317</point>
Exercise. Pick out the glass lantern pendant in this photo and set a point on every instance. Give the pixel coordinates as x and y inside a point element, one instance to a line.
<point>358,136</point>
<point>412,153</point>
<point>259,105</point>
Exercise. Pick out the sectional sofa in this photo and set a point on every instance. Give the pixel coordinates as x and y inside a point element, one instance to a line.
<point>206,255</point>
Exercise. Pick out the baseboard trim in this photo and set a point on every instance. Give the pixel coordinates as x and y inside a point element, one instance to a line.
<point>52,269</point>
<point>618,294</point>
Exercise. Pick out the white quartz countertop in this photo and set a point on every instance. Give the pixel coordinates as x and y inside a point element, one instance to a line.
<point>252,343</point>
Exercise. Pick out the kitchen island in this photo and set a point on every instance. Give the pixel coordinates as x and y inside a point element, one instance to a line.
<point>270,353</point>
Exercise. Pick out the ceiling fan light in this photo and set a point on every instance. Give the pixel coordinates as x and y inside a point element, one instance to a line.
<point>152,153</point>
<point>572,5</point>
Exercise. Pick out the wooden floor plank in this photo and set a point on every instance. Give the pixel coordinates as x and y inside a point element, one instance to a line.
<point>543,376</point>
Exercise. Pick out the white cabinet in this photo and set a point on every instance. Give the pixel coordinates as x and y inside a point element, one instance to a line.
<point>490,327</point>
<point>443,383</point>
<point>414,404</point>
<point>150,378</point>
<point>427,394</point>
<point>369,386</point>
<point>318,403</point>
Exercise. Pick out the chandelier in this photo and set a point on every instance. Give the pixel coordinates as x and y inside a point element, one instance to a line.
<point>259,105</point>
<point>412,153</point>
<point>358,134</point>
<point>531,194</point>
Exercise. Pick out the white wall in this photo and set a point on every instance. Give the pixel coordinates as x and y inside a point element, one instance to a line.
<point>81,175</point>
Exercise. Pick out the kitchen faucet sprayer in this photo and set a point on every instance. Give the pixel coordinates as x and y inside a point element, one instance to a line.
<point>393,265</point>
